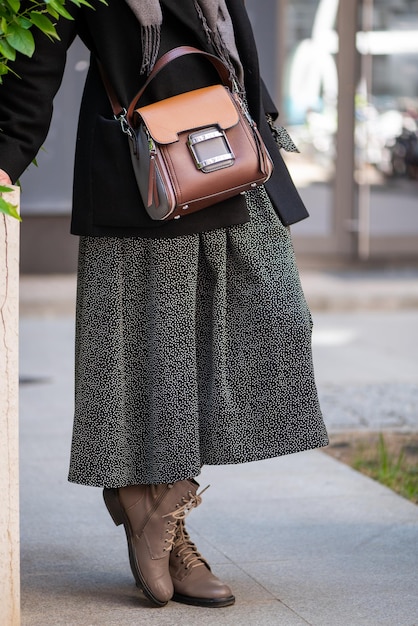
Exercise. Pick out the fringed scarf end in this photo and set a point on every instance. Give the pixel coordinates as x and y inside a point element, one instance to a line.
<point>151,37</point>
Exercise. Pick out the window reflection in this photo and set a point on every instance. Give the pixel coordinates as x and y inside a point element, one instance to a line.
<point>386,109</point>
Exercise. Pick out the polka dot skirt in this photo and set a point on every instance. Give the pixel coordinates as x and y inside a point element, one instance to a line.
<point>191,351</point>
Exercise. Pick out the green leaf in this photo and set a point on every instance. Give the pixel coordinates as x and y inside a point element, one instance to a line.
<point>5,69</point>
<point>44,24</point>
<point>14,5</point>
<point>78,3</point>
<point>52,12</point>
<point>9,209</point>
<point>24,22</point>
<point>58,7</point>
<point>6,50</point>
<point>4,26</point>
<point>5,189</point>
<point>21,40</point>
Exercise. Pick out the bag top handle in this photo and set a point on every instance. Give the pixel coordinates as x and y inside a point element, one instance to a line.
<point>170,56</point>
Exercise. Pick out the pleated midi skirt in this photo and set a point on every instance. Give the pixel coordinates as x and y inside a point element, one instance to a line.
<point>191,351</point>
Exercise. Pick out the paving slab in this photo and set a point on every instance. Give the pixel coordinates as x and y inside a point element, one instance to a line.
<point>325,290</point>
<point>367,369</point>
<point>346,290</point>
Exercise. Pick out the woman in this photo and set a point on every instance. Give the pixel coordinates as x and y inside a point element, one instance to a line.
<point>193,335</point>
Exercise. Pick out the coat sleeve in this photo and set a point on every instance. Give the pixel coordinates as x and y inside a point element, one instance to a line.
<point>26,98</point>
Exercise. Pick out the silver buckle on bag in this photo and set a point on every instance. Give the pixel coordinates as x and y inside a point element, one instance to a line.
<point>210,149</point>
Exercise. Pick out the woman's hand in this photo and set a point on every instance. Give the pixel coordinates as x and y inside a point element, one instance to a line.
<point>5,178</point>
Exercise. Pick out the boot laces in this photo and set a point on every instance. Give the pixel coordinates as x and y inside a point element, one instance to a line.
<point>178,515</point>
<point>186,550</point>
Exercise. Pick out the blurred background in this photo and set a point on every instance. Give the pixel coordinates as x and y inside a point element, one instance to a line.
<point>345,78</point>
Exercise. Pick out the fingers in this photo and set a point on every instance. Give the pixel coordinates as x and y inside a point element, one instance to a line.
<point>5,178</point>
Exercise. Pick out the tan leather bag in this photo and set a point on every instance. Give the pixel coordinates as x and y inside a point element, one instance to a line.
<point>196,149</point>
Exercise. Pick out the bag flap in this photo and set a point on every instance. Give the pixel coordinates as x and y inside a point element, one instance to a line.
<point>208,106</point>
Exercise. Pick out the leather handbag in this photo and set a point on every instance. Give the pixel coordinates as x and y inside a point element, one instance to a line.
<point>195,149</point>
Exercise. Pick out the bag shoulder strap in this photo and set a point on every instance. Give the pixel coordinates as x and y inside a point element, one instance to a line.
<point>117,108</point>
<point>162,62</point>
<point>172,55</point>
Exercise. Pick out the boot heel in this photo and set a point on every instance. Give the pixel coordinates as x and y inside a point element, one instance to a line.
<point>113,505</point>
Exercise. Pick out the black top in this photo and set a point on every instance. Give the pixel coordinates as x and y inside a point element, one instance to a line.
<point>106,200</point>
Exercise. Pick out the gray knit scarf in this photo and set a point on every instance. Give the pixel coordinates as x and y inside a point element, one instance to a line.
<point>216,23</point>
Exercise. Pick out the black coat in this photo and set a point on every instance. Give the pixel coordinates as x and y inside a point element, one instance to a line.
<point>106,200</point>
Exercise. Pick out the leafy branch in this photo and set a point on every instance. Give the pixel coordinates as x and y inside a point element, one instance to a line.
<point>17,22</point>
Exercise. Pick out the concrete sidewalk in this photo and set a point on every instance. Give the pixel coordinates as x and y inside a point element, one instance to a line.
<point>338,290</point>
<point>301,539</point>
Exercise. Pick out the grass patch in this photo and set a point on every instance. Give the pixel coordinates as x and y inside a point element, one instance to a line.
<point>390,458</point>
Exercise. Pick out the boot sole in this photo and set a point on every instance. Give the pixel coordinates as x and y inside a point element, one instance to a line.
<point>206,602</point>
<point>119,517</point>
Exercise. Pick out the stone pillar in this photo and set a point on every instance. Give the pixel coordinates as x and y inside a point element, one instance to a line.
<point>9,444</point>
<point>344,184</point>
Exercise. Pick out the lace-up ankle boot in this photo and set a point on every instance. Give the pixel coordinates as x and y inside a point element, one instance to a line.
<point>150,515</point>
<point>192,578</point>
